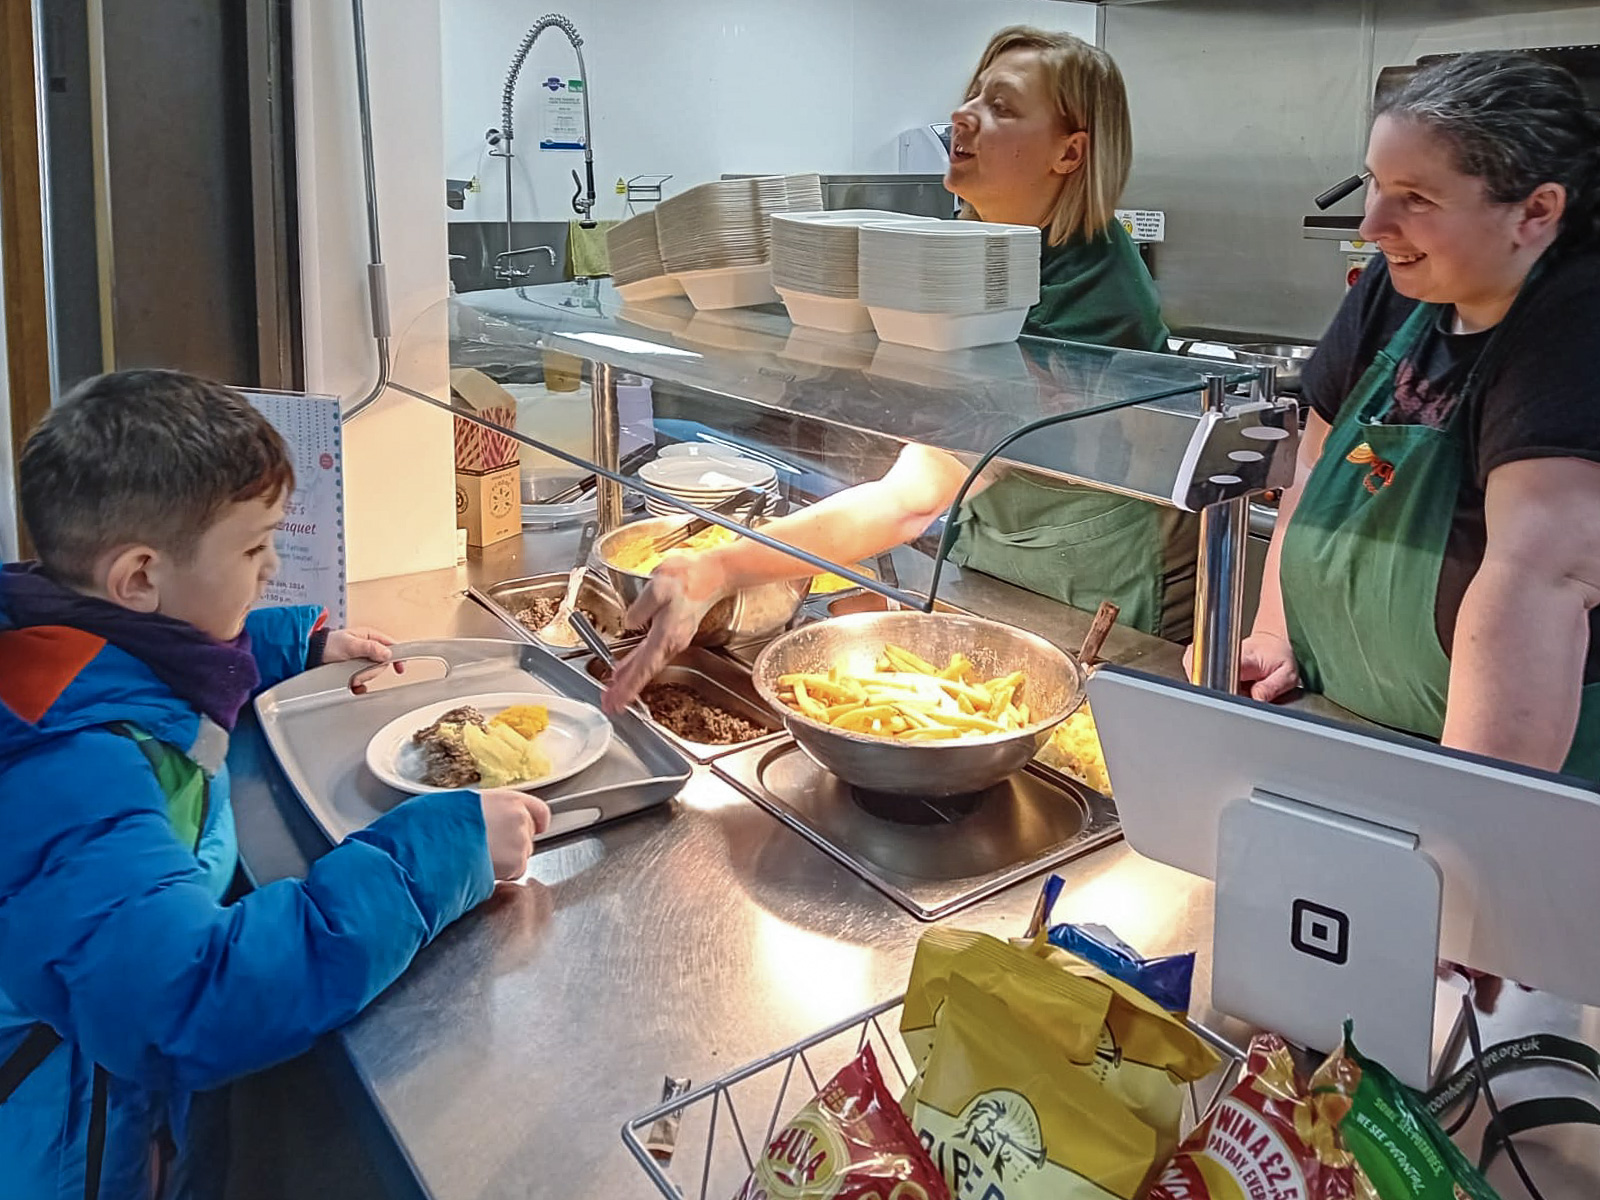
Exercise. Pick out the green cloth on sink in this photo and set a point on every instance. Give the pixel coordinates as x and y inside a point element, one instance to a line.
<point>587,255</point>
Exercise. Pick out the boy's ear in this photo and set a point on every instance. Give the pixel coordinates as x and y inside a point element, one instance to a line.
<point>132,578</point>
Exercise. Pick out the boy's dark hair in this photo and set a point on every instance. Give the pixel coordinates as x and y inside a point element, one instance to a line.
<point>147,457</point>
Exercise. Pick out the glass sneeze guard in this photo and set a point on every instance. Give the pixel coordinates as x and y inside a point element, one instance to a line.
<point>833,409</point>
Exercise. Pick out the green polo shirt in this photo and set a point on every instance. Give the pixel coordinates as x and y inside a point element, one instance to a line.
<point>1096,289</point>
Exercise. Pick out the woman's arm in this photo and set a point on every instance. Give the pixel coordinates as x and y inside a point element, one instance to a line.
<point>848,526</point>
<point>1522,634</point>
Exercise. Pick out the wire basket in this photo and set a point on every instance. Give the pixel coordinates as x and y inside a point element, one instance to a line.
<point>724,1125</point>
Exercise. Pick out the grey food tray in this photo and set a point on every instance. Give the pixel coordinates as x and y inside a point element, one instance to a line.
<point>505,598</point>
<point>318,730</point>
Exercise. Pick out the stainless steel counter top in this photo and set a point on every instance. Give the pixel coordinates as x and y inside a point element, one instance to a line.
<point>683,941</point>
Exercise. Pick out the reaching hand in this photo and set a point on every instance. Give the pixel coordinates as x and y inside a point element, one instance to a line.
<point>680,593</point>
<point>1267,666</point>
<point>511,820</point>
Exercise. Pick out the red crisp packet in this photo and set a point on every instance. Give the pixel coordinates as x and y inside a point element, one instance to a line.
<point>851,1142</point>
<point>1270,1136</point>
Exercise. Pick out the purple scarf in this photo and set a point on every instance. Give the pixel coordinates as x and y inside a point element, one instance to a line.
<point>215,677</point>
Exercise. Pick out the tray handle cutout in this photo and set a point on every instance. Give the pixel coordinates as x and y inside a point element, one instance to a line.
<point>402,672</point>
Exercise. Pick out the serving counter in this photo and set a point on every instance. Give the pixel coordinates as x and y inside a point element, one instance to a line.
<point>683,941</point>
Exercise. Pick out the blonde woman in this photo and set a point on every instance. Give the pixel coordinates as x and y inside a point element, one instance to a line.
<point>1042,139</point>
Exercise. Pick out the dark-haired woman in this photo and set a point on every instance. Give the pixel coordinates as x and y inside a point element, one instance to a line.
<point>1437,563</point>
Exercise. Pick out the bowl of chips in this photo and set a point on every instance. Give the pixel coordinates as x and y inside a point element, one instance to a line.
<point>915,703</point>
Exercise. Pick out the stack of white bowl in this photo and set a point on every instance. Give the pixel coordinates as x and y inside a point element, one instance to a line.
<point>705,476</point>
<point>636,266</point>
<point>815,266</point>
<point>716,240</point>
<point>948,285</point>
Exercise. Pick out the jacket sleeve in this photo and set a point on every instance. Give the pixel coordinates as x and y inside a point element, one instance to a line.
<point>280,638</point>
<point>108,933</point>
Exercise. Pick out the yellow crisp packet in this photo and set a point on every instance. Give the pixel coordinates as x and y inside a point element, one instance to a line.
<point>1039,1081</point>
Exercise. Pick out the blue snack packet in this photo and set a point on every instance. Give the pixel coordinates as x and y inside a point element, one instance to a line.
<point>1166,980</point>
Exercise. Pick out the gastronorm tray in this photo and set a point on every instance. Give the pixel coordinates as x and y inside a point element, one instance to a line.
<point>932,857</point>
<point>318,730</point>
<point>505,598</point>
<point>719,679</point>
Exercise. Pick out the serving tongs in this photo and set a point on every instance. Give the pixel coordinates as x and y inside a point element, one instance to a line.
<point>754,497</point>
<point>590,637</point>
<point>630,463</point>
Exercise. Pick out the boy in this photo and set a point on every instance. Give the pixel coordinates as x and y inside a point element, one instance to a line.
<point>126,653</point>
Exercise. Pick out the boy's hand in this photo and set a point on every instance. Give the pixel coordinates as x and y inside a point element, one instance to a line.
<point>511,820</point>
<point>362,642</point>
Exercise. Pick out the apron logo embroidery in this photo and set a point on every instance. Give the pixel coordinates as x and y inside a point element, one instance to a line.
<point>1382,473</point>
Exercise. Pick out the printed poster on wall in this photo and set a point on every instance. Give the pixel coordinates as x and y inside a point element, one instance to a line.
<point>563,114</point>
<point>310,541</point>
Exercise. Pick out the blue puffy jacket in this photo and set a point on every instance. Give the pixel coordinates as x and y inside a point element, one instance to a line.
<point>113,933</point>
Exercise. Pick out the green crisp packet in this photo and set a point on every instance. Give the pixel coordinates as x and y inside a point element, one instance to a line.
<point>1400,1148</point>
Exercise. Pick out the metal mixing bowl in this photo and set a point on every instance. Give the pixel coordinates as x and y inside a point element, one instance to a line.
<point>749,613</point>
<point>1054,690</point>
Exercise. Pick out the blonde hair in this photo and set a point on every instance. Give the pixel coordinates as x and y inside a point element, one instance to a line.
<point>1089,96</point>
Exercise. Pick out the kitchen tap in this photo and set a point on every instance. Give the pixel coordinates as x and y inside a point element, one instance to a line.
<point>500,140</point>
<point>504,270</point>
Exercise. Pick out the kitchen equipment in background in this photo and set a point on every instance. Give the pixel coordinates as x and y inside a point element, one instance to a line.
<point>716,239</point>
<point>1287,357</point>
<point>949,285</point>
<point>500,140</point>
<point>925,149</point>
<point>816,270</point>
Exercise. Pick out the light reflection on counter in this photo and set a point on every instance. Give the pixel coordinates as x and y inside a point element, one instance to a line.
<point>808,972</point>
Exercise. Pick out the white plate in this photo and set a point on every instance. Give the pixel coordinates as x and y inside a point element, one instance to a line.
<point>706,475</point>
<point>576,738</point>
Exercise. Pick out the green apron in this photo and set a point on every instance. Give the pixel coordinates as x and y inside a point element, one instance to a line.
<point>1361,559</point>
<point>1080,545</point>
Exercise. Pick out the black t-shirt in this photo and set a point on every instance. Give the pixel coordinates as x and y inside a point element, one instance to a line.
<point>1539,396</point>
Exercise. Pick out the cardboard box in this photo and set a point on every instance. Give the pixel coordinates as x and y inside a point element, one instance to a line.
<point>489,504</point>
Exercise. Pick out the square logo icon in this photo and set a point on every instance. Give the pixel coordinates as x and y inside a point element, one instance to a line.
<point>1321,932</point>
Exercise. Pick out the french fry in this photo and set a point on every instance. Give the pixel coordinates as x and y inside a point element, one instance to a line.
<point>862,719</point>
<point>963,721</point>
<point>906,698</point>
<point>806,704</point>
<point>908,661</point>
<point>960,667</point>
<point>941,734</point>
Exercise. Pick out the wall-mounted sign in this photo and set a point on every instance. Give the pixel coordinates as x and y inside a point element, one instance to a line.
<point>563,114</point>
